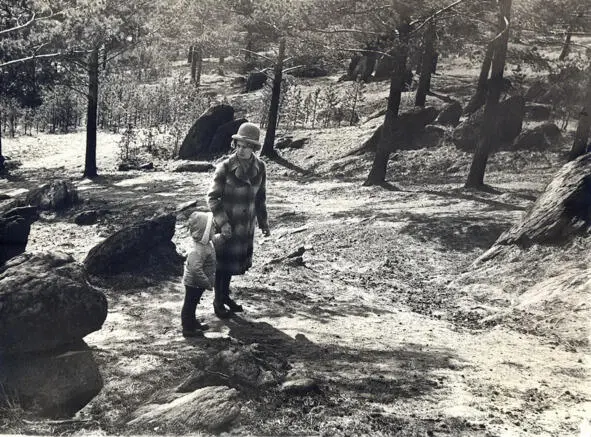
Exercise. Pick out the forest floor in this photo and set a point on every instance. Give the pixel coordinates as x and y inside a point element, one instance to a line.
<point>376,314</point>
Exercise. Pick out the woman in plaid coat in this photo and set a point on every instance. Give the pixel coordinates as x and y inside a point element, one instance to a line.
<point>237,199</point>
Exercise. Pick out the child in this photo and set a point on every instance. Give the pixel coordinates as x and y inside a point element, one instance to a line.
<point>199,271</point>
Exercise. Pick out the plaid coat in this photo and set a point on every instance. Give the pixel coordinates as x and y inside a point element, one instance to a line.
<point>239,199</point>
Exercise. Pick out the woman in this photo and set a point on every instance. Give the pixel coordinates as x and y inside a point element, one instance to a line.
<point>237,199</point>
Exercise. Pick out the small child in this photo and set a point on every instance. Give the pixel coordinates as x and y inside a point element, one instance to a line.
<point>199,273</point>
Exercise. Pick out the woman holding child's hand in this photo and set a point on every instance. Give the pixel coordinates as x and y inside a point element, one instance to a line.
<point>237,199</point>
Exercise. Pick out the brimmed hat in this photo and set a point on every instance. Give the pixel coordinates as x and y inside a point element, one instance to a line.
<point>249,133</point>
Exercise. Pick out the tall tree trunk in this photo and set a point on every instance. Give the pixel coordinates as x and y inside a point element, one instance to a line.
<point>190,55</point>
<point>193,63</point>
<point>479,97</point>
<point>197,79</point>
<point>1,156</point>
<point>377,174</point>
<point>489,135</point>
<point>268,149</point>
<point>566,45</point>
<point>426,64</point>
<point>581,140</point>
<point>90,170</point>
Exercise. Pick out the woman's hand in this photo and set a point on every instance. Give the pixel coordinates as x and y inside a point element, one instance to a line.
<point>226,231</point>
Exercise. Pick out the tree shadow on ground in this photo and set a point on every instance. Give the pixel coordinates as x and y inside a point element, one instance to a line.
<point>349,378</point>
<point>284,303</point>
<point>454,232</point>
<point>466,194</point>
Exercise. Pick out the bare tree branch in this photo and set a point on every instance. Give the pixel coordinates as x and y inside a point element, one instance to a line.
<point>257,54</point>
<point>19,27</point>
<point>435,15</point>
<point>30,58</point>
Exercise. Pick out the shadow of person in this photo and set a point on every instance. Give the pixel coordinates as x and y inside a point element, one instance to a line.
<point>264,334</point>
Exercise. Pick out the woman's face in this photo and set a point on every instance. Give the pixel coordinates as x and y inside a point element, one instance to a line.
<point>244,150</point>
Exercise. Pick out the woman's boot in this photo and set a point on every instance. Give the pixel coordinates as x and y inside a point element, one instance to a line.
<point>218,301</point>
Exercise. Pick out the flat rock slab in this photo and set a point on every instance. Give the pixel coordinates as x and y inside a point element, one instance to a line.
<point>211,408</point>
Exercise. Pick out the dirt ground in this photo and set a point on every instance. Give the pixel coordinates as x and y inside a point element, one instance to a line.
<point>380,312</point>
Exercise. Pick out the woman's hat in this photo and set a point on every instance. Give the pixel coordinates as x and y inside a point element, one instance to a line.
<point>249,133</point>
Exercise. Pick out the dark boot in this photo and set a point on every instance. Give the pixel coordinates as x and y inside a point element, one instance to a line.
<point>218,301</point>
<point>234,307</point>
<point>191,325</point>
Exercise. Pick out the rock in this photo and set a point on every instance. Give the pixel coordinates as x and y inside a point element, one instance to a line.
<point>15,226</point>
<point>56,196</point>
<point>143,247</point>
<point>561,212</point>
<point>193,166</point>
<point>537,111</point>
<point>339,115</point>
<point>450,114</point>
<point>289,143</point>
<point>432,136</point>
<point>52,385</point>
<point>255,81</point>
<point>310,71</point>
<point>86,218</point>
<point>511,111</point>
<point>186,205</point>
<point>46,302</point>
<point>540,138</point>
<point>147,166</point>
<point>211,408</point>
<point>200,379</point>
<point>198,140</point>
<point>300,386</point>
<point>537,90</point>
<point>222,140</point>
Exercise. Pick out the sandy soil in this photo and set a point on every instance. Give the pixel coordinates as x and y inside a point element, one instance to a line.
<point>374,313</point>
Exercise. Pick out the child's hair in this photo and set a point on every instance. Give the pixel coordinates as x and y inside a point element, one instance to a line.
<point>200,224</point>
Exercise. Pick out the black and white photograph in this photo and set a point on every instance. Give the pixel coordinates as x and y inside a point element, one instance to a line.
<point>295,218</point>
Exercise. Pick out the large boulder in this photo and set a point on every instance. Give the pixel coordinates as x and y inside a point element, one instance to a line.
<point>535,91</point>
<point>541,137</point>
<point>211,408</point>
<point>45,303</point>
<point>561,212</point>
<point>409,131</point>
<point>450,114</point>
<point>538,111</point>
<point>222,140</point>
<point>198,140</point>
<point>255,81</point>
<point>15,226</point>
<point>511,114</point>
<point>142,247</point>
<point>52,384</point>
<point>55,196</point>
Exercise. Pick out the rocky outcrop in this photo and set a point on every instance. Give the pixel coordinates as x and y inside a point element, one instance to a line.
<point>46,308</point>
<point>255,81</point>
<point>541,137</point>
<point>561,212</point>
